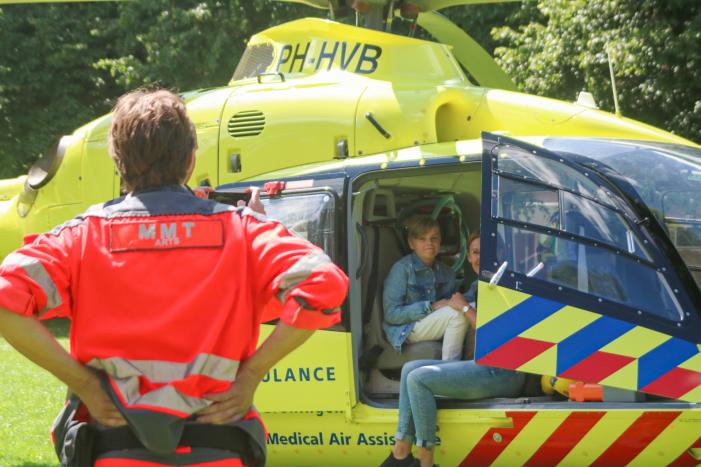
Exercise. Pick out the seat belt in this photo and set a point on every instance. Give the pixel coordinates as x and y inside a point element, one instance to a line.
<point>368,359</point>
<point>372,279</point>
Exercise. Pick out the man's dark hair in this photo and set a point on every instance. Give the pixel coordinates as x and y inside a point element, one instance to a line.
<point>151,139</point>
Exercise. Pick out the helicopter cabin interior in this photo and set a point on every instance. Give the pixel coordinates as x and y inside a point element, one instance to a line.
<point>386,204</point>
<point>570,236</point>
<point>381,203</point>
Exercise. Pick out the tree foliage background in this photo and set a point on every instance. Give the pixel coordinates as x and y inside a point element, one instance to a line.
<point>63,65</point>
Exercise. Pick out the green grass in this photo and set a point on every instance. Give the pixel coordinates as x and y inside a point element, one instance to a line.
<point>30,399</point>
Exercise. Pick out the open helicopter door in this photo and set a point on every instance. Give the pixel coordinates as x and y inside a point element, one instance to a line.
<point>575,283</point>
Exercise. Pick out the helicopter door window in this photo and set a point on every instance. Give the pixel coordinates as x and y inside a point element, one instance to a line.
<point>572,241</point>
<point>527,202</point>
<point>555,224</point>
<point>592,270</point>
<point>521,164</point>
<point>535,204</point>
<point>586,218</point>
<point>311,216</point>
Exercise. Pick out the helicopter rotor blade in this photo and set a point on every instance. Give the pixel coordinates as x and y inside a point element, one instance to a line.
<point>325,4</point>
<point>423,5</point>
<point>13,2</point>
<point>466,51</point>
<point>337,8</point>
<point>435,5</point>
<point>321,4</point>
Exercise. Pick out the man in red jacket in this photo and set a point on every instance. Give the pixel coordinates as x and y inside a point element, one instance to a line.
<point>166,293</point>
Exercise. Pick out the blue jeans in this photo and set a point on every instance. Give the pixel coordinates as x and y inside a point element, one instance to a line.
<point>422,379</point>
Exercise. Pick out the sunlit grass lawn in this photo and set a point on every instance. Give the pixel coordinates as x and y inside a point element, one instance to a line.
<point>30,398</point>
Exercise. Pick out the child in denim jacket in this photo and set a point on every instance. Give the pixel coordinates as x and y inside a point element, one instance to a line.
<point>420,301</point>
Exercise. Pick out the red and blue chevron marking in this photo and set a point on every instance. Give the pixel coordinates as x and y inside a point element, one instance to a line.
<point>658,372</point>
<point>579,356</point>
<point>507,326</point>
<point>579,353</point>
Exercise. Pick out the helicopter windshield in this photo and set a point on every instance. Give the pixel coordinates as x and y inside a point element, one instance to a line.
<point>666,176</point>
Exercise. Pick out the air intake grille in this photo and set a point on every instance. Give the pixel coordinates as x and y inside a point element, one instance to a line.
<point>247,123</point>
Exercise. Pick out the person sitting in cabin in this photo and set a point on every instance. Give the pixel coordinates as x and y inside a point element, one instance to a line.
<point>420,302</point>
<point>473,258</point>
<point>422,380</point>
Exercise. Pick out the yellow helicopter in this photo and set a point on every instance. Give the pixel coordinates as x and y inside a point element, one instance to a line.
<point>590,232</point>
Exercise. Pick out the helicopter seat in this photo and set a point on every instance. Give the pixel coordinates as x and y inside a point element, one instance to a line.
<point>386,246</point>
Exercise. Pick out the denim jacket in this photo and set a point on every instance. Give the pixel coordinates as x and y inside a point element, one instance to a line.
<point>409,290</point>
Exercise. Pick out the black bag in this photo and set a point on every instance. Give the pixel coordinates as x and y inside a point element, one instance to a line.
<point>77,446</point>
<point>74,440</point>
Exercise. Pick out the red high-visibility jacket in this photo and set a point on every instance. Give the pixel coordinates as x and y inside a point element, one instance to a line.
<point>166,292</point>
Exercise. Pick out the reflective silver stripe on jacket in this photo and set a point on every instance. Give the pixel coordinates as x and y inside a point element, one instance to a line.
<point>37,272</point>
<point>300,271</point>
<point>126,373</point>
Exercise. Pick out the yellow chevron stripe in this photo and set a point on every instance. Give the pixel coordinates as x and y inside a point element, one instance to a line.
<point>693,364</point>
<point>468,443</point>
<point>543,364</point>
<point>531,437</point>
<point>600,437</point>
<point>636,342</point>
<point>692,396</point>
<point>676,438</point>
<point>560,325</point>
<point>465,428</point>
<point>494,302</point>
<point>625,378</point>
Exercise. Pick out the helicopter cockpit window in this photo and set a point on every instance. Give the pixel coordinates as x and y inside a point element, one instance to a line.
<point>666,176</point>
<point>254,61</point>
<point>310,216</point>
<point>682,217</point>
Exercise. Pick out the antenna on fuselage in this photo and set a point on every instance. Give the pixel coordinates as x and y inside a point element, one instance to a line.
<point>389,17</point>
<point>613,82</point>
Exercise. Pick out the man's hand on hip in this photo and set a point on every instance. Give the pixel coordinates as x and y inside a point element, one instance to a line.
<point>233,404</point>
<point>100,406</point>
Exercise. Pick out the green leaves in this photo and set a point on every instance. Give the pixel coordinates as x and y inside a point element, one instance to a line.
<point>63,65</point>
<point>47,84</point>
<point>654,47</point>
